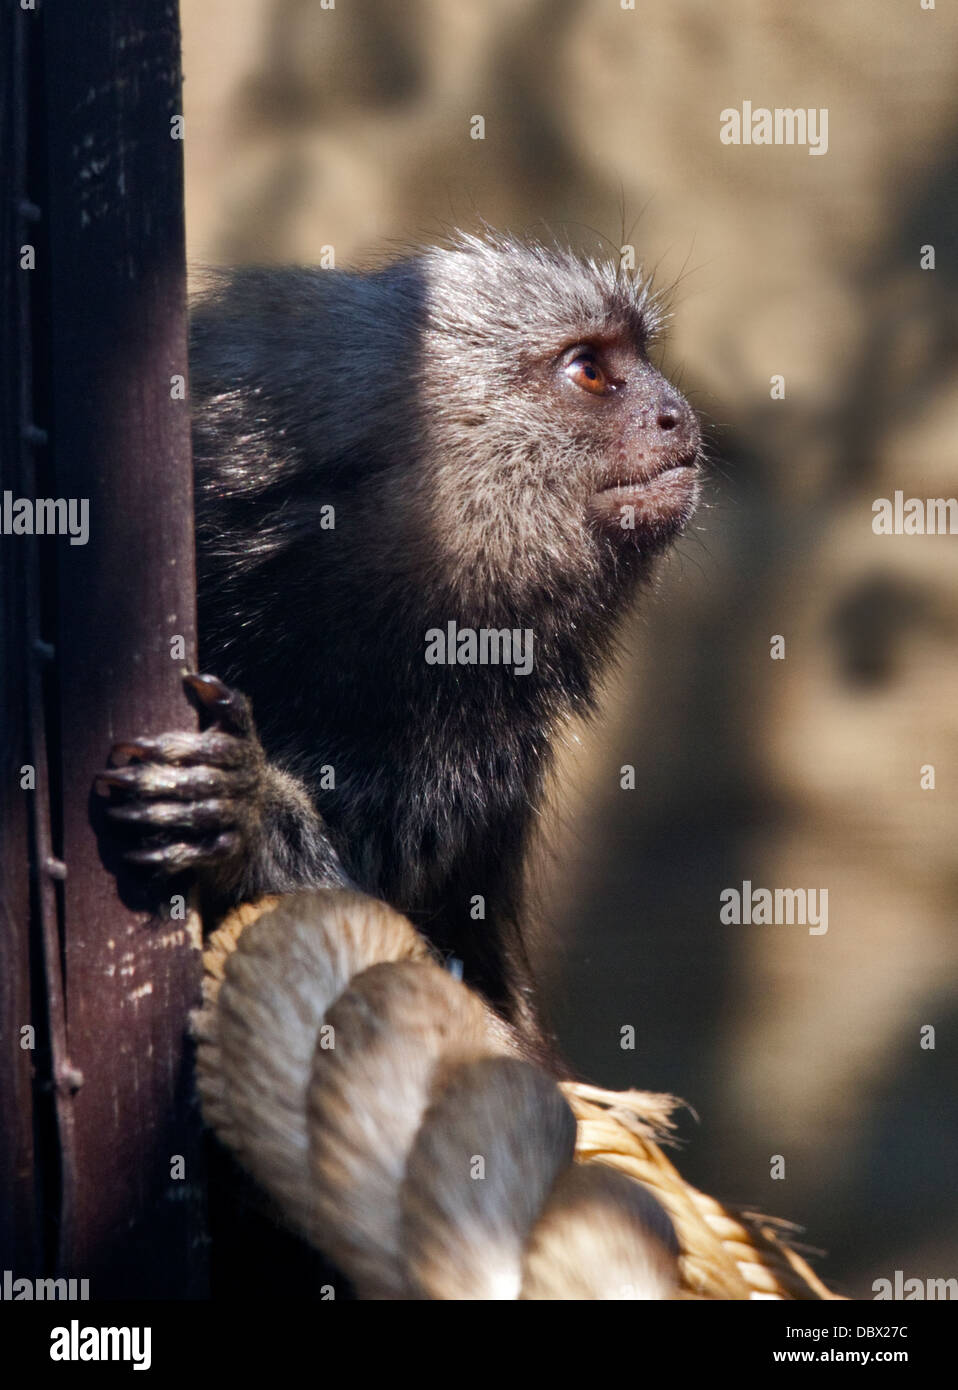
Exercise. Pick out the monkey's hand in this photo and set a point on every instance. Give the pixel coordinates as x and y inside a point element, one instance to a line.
<point>211,803</point>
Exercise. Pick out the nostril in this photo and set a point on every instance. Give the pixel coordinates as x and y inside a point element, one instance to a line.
<point>671,413</point>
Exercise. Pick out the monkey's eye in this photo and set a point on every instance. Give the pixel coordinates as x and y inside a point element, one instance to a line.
<point>583,370</point>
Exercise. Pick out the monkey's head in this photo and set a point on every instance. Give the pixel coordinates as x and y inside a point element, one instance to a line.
<point>558,457</point>
<point>485,421</point>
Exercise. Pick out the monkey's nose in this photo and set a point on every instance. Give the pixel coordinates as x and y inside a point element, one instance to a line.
<point>677,427</point>
<point>672,413</point>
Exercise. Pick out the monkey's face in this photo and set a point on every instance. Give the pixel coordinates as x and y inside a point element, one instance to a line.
<point>643,441</point>
<point>559,458</point>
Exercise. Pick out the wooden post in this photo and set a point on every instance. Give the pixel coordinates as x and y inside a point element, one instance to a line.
<point>20,1191</point>
<point>132,1178</point>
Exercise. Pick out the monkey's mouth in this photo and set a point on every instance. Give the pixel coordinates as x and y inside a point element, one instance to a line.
<point>654,506</point>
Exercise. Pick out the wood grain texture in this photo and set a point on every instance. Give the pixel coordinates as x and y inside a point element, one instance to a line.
<point>118,335</point>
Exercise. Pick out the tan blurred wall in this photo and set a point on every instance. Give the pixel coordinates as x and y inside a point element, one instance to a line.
<point>350,127</point>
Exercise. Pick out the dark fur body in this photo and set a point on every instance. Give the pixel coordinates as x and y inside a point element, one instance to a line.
<point>424,403</point>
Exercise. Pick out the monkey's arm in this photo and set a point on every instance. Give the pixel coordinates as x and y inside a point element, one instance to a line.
<point>211,803</point>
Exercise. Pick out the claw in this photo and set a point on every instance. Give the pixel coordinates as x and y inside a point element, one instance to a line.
<point>189,815</point>
<point>209,690</point>
<point>131,749</point>
<point>227,707</point>
<point>180,856</point>
<point>196,783</point>
<point>118,777</point>
<point>215,747</point>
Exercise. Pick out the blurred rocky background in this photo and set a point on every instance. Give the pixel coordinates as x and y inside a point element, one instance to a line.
<point>350,126</point>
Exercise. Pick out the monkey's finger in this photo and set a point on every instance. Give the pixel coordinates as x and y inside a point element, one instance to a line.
<point>197,782</point>
<point>218,702</point>
<point>175,858</point>
<point>214,815</point>
<point>184,749</point>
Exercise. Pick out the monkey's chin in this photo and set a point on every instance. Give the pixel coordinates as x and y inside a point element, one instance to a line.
<point>650,512</point>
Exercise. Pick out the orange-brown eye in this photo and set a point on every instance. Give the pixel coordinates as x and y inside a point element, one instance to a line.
<point>585,372</point>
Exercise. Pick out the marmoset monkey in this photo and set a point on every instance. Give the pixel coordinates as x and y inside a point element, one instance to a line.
<point>425,496</point>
